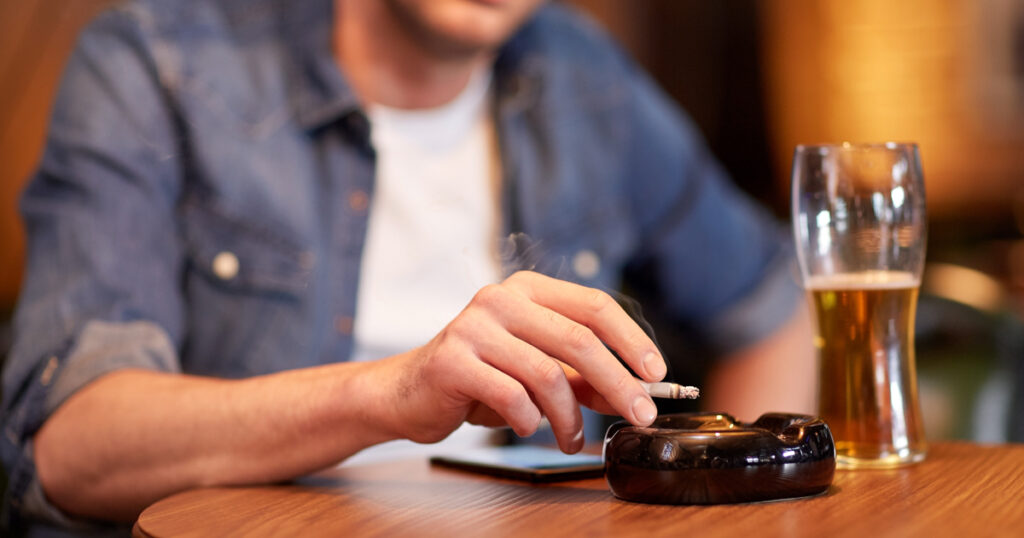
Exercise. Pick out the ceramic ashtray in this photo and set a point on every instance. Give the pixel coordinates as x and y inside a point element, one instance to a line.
<point>709,458</point>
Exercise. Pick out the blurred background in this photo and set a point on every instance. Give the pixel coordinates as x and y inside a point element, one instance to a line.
<point>759,77</point>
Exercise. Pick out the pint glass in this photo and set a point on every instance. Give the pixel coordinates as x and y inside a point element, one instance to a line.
<point>859,224</point>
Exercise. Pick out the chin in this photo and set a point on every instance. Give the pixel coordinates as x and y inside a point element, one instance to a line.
<point>463,26</point>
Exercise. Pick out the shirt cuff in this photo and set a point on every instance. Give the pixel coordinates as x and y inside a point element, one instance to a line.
<point>103,347</point>
<point>760,313</point>
<point>100,348</point>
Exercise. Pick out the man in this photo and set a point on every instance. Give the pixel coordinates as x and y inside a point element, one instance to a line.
<point>222,227</point>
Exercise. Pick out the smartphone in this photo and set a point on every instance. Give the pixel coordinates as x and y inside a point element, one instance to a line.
<point>530,463</point>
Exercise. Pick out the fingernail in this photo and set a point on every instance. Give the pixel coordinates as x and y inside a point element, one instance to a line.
<point>577,441</point>
<point>655,366</point>
<point>644,410</point>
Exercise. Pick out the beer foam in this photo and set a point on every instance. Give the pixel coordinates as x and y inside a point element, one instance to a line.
<point>874,280</point>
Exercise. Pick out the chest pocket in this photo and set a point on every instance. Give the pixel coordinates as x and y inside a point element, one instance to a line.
<point>244,257</point>
<point>247,288</point>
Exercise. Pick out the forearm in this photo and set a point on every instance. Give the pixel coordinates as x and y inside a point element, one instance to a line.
<point>527,348</point>
<point>132,437</point>
<point>775,374</point>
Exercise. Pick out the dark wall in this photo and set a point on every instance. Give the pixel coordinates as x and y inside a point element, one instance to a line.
<point>706,55</point>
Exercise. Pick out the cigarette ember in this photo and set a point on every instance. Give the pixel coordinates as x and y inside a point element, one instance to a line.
<point>671,391</point>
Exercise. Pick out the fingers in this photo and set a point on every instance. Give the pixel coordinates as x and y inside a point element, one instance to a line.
<point>545,380</point>
<point>529,347</point>
<point>599,312</point>
<point>503,395</point>
<point>578,346</point>
<point>481,415</point>
<point>585,393</point>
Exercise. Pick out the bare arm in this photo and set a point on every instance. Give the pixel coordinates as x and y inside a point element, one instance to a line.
<point>778,373</point>
<point>134,436</point>
<point>527,348</point>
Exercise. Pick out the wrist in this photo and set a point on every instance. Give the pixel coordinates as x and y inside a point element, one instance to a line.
<point>373,399</point>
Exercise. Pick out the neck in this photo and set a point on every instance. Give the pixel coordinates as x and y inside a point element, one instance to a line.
<point>387,65</point>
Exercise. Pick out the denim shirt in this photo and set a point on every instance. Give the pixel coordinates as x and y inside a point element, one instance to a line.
<point>202,202</point>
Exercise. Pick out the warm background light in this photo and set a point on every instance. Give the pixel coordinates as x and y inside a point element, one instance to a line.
<point>35,38</point>
<point>948,74</point>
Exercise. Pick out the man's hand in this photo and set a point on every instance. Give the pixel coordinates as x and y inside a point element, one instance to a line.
<point>530,347</point>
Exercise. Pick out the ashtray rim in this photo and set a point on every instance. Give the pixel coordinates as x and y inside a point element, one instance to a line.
<point>736,428</point>
<point>792,453</point>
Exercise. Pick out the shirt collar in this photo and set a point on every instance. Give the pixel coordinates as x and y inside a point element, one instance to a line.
<point>319,92</point>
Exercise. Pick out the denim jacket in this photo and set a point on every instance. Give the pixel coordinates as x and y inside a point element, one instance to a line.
<point>201,204</point>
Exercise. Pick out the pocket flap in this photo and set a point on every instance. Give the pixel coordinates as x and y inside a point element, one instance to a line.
<point>242,255</point>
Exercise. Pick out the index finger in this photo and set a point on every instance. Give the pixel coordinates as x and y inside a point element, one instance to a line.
<point>601,314</point>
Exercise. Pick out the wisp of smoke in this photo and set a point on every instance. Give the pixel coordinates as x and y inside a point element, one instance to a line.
<point>519,252</point>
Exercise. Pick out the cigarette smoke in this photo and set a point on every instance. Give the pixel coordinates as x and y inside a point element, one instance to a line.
<point>520,252</point>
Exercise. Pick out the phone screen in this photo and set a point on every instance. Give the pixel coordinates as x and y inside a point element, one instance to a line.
<point>525,462</point>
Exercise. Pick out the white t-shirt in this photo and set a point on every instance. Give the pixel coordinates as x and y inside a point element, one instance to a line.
<point>433,234</point>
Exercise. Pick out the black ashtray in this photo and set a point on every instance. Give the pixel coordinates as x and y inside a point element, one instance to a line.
<point>709,458</point>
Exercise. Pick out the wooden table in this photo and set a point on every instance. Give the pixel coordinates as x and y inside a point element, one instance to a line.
<point>961,490</point>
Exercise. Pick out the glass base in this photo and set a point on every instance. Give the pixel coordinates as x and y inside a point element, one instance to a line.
<point>889,461</point>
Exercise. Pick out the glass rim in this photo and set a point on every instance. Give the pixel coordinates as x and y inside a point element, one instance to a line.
<point>892,145</point>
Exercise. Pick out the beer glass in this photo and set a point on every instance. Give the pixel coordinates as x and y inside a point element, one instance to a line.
<point>859,223</point>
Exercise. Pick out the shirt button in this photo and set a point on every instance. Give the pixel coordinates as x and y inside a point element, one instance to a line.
<point>225,265</point>
<point>51,367</point>
<point>343,324</point>
<point>358,201</point>
<point>586,264</point>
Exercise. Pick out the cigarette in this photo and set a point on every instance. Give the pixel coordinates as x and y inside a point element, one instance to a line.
<point>671,391</point>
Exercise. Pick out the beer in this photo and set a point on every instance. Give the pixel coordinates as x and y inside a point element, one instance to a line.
<point>867,382</point>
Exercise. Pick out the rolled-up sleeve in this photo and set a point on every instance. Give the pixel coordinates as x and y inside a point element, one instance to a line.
<point>104,259</point>
<point>722,263</point>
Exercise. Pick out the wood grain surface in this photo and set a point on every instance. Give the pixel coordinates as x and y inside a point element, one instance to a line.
<point>960,490</point>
